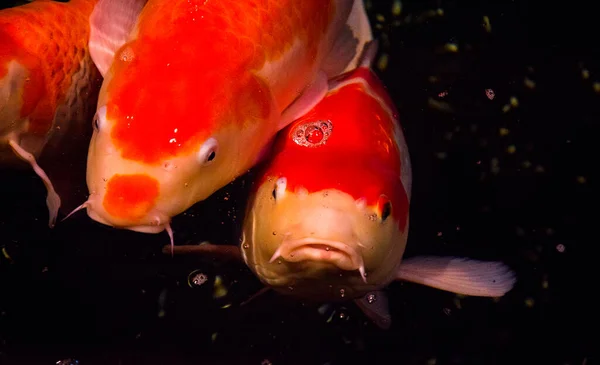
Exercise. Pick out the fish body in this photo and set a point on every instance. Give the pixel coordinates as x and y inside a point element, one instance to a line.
<point>329,218</point>
<point>195,91</point>
<point>47,79</point>
<point>329,215</point>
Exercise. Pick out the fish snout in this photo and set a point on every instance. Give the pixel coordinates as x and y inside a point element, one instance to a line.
<point>340,254</point>
<point>128,201</point>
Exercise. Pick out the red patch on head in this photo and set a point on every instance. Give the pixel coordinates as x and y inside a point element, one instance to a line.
<point>130,197</point>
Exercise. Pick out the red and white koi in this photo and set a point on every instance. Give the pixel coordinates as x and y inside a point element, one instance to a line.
<point>329,216</point>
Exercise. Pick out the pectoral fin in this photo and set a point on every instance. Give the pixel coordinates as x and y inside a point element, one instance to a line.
<point>459,275</point>
<point>111,23</point>
<point>375,306</point>
<point>310,97</point>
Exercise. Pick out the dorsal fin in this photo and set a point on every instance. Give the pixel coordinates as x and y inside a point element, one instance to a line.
<point>111,23</point>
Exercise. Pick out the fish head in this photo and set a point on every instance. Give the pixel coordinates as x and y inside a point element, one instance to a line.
<point>150,160</point>
<point>323,244</point>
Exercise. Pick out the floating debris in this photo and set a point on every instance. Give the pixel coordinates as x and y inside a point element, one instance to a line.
<point>382,62</point>
<point>67,362</point>
<point>596,86</point>
<point>213,337</point>
<point>511,149</point>
<point>504,132</point>
<point>529,302</point>
<point>220,289</point>
<point>451,47</point>
<point>486,24</point>
<point>396,8</point>
<point>560,248</point>
<point>514,102</point>
<point>440,105</point>
<point>490,94</point>
<point>441,155</point>
<point>529,83</point>
<point>197,278</point>
<point>585,74</point>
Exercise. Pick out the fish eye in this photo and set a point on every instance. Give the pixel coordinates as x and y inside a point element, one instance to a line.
<point>208,151</point>
<point>279,188</point>
<point>385,207</point>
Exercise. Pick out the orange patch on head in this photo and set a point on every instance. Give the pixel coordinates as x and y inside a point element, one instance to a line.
<point>130,197</point>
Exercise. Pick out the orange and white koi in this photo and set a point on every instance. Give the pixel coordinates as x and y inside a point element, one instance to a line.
<point>47,79</point>
<point>329,218</point>
<point>195,90</point>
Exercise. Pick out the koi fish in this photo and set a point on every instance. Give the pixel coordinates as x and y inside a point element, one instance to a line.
<point>195,90</point>
<point>47,79</point>
<point>329,217</point>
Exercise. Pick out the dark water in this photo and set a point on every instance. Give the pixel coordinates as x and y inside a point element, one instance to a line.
<point>512,185</point>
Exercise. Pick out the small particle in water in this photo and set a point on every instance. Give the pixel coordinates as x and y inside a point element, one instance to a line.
<point>545,284</point>
<point>219,288</point>
<point>67,362</point>
<point>504,131</point>
<point>380,18</point>
<point>371,298</point>
<point>290,288</point>
<point>560,248</point>
<point>383,61</point>
<point>443,94</point>
<point>506,108</point>
<point>596,86</point>
<point>514,102</point>
<point>490,94</point>
<point>246,246</point>
<point>279,262</point>
<point>441,155</point>
<point>511,149</point>
<point>486,24</point>
<point>526,164</point>
<point>495,166</point>
<point>342,293</point>
<point>529,302</point>
<point>213,337</point>
<point>529,83</point>
<point>451,47</point>
<point>226,306</point>
<point>266,362</point>
<point>373,217</point>
<point>539,169</point>
<point>585,74</point>
<point>581,179</point>
<point>342,315</point>
<point>447,311</point>
<point>432,361</point>
<point>457,303</point>
<point>439,234</point>
<point>396,7</point>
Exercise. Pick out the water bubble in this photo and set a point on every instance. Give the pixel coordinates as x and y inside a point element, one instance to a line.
<point>279,262</point>
<point>312,134</point>
<point>342,293</point>
<point>371,298</point>
<point>246,246</point>
<point>197,278</point>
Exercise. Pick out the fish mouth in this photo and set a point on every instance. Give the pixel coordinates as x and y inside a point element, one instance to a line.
<point>312,249</point>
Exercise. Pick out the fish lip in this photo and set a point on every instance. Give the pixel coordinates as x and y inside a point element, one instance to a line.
<point>146,228</point>
<point>341,254</point>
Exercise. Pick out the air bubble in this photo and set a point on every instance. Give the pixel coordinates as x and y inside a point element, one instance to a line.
<point>312,134</point>
<point>342,293</point>
<point>246,246</point>
<point>371,298</point>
